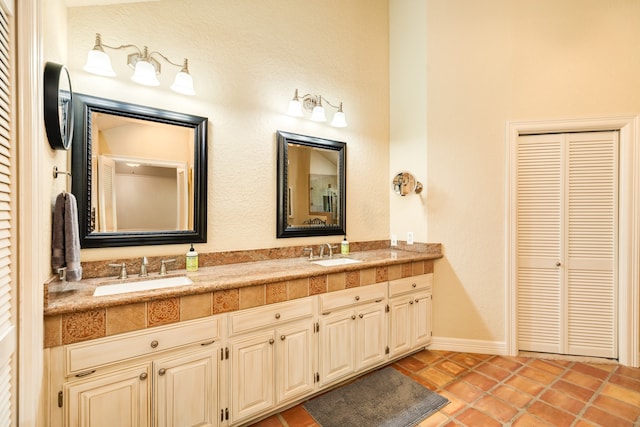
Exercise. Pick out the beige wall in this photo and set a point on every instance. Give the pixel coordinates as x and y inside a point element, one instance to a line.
<point>490,62</point>
<point>460,70</point>
<point>246,58</point>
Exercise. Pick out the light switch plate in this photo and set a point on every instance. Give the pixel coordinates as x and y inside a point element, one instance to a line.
<point>394,240</point>
<point>410,238</point>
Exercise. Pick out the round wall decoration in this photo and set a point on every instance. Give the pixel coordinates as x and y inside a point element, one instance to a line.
<point>58,106</point>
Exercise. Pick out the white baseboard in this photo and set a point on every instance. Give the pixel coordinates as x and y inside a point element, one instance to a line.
<point>468,345</point>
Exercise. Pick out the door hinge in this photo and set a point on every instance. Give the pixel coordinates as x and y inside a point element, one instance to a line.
<point>60,399</point>
<point>386,308</point>
<point>386,350</point>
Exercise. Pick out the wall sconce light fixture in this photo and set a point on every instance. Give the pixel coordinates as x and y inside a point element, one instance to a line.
<point>313,103</point>
<point>146,66</point>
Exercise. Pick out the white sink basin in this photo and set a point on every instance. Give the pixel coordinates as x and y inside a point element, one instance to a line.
<point>143,285</point>
<point>335,261</point>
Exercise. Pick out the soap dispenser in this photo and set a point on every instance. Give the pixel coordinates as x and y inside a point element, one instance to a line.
<point>192,259</point>
<point>344,247</point>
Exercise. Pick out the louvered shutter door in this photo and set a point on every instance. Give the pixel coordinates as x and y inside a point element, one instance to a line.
<point>591,203</point>
<point>7,329</point>
<point>538,216</point>
<point>566,225</point>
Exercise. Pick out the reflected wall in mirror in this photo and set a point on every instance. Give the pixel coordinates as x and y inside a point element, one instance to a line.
<point>139,174</point>
<point>311,186</point>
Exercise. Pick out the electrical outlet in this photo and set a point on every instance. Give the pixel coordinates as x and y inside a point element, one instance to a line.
<point>409,237</point>
<point>394,240</point>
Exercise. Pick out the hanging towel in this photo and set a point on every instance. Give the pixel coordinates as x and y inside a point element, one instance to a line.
<point>65,242</point>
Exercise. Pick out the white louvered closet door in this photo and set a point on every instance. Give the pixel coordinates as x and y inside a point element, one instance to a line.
<point>567,210</point>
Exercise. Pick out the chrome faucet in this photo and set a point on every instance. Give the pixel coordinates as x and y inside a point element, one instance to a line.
<point>163,266</point>
<point>123,270</point>
<point>143,267</point>
<point>326,245</point>
<point>310,250</point>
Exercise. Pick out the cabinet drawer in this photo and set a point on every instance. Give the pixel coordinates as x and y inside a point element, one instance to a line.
<point>349,297</point>
<point>270,315</point>
<point>89,355</point>
<point>410,284</point>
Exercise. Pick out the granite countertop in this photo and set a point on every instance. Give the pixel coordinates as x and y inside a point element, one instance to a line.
<point>61,298</point>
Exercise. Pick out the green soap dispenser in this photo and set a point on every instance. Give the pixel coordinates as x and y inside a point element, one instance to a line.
<point>192,259</point>
<point>344,247</point>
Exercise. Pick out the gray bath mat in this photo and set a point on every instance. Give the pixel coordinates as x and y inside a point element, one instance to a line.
<point>385,398</point>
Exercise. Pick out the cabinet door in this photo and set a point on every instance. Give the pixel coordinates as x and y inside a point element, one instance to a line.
<point>400,325</point>
<point>119,399</point>
<point>337,358</point>
<point>371,336</point>
<point>294,361</point>
<point>421,320</point>
<point>252,375</point>
<point>186,389</point>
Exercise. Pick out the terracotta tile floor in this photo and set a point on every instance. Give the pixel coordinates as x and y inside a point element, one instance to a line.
<point>487,390</point>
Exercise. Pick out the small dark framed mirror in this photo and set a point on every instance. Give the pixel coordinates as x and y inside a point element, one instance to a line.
<point>139,174</point>
<point>311,186</point>
<point>58,106</point>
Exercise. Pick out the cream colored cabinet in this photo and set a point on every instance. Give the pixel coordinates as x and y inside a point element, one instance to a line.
<point>272,357</point>
<point>186,389</point>
<point>252,375</point>
<point>352,332</point>
<point>409,314</point>
<point>120,398</point>
<point>371,336</point>
<point>167,376</point>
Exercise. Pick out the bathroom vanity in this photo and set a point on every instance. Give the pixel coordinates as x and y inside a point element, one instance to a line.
<point>243,341</point>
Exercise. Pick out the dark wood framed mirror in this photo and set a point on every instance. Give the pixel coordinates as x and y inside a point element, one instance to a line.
<point>311,186</point>
<point>139,174</point>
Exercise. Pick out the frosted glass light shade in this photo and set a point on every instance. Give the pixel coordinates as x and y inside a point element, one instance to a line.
<point>145,74</point>
<point>339,120</point>
<point>295,108</point>
<point>99,63</point>
<point>318,115</point>
<point>183,84</point>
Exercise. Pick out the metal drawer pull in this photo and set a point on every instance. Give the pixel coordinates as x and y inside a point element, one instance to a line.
<point>143,376</point>
<point>283,337</point>
<point>162,371</point>
<point>417,300</point>
<point>411,302</point>
<point>271,341</point>
<point>84,374</point>
<point>353,317</point>
<point>204,344</point>
<point>558,264</point>
<point>277,315</point>
<point>357,298</point>
<point>361,315</point>
<point>154,344</point>
<point>413,285</point>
